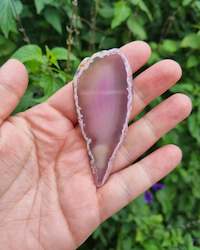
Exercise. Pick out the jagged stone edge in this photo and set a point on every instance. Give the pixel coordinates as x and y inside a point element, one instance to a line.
<point>84,65</point>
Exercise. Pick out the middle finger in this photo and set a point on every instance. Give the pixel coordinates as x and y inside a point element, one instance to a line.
<point>153,82</point>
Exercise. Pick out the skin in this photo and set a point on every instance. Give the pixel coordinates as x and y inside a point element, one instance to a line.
<point>48,199</point>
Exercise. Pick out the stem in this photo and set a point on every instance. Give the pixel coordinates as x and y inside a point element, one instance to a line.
<point>71,29</point>
<point>21,27</point>
<point>93,22</point>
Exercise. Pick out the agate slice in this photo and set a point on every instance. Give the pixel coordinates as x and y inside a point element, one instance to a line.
<point>103,98</point>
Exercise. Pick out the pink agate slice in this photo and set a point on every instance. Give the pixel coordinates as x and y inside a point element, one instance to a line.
<point>103,97</point>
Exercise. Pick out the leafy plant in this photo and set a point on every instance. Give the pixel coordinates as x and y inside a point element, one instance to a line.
<point>51,37</point>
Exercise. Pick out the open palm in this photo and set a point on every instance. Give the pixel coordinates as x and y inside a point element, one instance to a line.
<point>48,199</point>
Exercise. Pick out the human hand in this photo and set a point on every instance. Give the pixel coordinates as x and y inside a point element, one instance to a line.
<point>48,199</point>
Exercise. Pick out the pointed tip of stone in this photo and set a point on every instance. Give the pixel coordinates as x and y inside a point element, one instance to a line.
<point>99,177</point>
<point>100,153</point>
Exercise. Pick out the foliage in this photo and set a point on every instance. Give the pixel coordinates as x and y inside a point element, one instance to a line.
<point>51,37</point>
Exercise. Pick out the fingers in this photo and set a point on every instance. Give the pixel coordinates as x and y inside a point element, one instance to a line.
<point>153,82</point>
<point>13,83</point>
<point>145,132</point>
<point>124,186</point>
<point>137,53</point>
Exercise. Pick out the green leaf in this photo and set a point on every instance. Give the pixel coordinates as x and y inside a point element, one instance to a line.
<point>63,54</point>
<point>51,58</point>
<point>150,245</point>
<point>106,11</point>
<point>186,2</point>
<point>92,37</point>
<point>155,56</point>
<point>193,61</point>
<point>143,7</point>
<point>26,101</point>
<point>141,4</point>
<point>136,26</point>
<point>189,242</point>
<point>28,53</point>
<point>17,7</point>
<point>183,87</point>
<point>191,41</point>
<point>33,66</point>
<point>194,124</point>
<point>197,5</point>
<point>121,12</point>
<point>165,198</point>
<point>46,82</point>
<point>40,4</point>
<point>155,219</point>
<point>6,46</point>
<point>52,16</point>
<point>170,46</point>
<point>139,236</point>
<point>107,42</point>
<point>127,244</point>
<point>7,16</point>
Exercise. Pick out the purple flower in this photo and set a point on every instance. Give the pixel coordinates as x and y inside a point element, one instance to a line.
<point>157,186</point>
<point>148,195</point>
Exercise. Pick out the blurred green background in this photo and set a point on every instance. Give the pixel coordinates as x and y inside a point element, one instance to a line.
<point>51,37</point>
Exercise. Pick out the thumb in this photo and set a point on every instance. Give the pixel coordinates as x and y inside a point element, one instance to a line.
<point>13,83</point>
